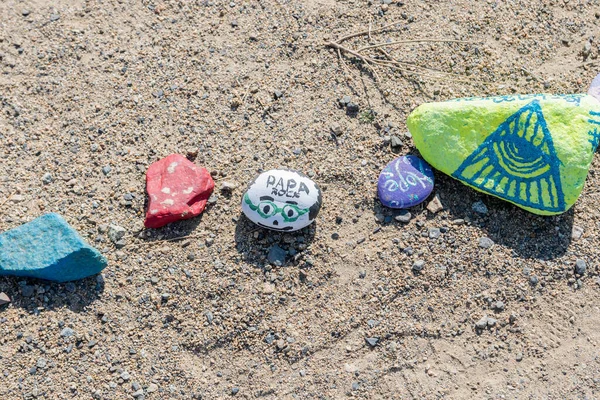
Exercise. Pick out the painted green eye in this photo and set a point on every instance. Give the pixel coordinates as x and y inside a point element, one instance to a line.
<point>290,213</point>
<point>267,209</point>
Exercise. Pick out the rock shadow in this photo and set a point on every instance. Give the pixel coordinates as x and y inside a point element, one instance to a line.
<point>527,234</point>
<point>255,243</point>
<point>173,230</point>
<point>35,295</point>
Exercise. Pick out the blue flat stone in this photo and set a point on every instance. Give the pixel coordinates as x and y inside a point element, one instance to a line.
<point>405,182</point>
<point>48,248</point>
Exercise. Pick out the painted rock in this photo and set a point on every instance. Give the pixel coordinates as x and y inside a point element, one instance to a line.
<point>177,189</point>
<point>48,248</point>
<point>282,200</point>
<point>531,150</point>
<point>405,182</point>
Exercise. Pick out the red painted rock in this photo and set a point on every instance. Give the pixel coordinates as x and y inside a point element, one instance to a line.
<point>177,189</point>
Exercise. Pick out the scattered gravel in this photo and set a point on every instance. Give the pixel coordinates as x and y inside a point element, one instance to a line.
<point>98,92</point>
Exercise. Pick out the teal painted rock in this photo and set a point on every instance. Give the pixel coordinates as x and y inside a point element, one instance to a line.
<point>531,150</point>
<point>48,248</point>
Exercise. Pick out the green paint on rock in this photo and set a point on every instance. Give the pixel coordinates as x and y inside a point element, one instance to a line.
<point>531,150</point>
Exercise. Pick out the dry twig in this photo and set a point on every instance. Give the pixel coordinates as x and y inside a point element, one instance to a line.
<point>7,199</point>
<point>371,63</point>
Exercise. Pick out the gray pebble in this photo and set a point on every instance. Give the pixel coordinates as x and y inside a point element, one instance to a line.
<point>106,170</point>
<point>27,291</point>
<point>277,255</point>
<point>235,391</point>
<point>479,207</point>
<point>533,280</point>
<point>372,323</point>
<point>125,376</point>
<point>344,101</point>
<point>580,267</point>
<point>519,356</point>
<point>486,242</point>
<point>404,216</point>
<point>498,306</point>
<point>482,323</point>
<point>70,287</point>
<point>395,142</point>
<point>372,341</point>
<point>418,265</point>
<point>67,332</point>
<point>434,233</point>
<point>47,178</point>
<point>116,233</point>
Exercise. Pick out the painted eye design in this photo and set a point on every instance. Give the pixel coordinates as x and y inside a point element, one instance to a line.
<point>267,209</point>
<point>290,213</point>
<point>518,162</point>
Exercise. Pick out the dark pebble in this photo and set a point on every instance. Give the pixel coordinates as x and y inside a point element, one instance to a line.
<point>580,267</point>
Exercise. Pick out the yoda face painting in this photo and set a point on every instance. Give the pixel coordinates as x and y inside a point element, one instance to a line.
<point>282,200</point>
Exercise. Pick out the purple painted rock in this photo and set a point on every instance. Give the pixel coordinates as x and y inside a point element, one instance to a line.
<point>405,182</point>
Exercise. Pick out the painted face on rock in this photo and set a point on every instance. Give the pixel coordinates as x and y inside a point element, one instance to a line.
<point>282,200</point>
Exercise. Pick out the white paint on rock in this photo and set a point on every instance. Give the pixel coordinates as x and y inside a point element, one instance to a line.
<point>282,200</point>
<point>172,166</point>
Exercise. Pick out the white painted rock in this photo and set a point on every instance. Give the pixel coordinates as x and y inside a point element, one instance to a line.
<point>282,200</point>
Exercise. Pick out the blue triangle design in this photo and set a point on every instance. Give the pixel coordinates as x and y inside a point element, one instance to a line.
<point>517,162</point>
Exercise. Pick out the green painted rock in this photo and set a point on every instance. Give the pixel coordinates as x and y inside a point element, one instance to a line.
<point>531,150</point>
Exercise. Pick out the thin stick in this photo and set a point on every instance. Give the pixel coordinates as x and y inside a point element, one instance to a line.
<point>347,50</point>
<point>537,78</point>
<point>7,199</point>
<point>366,32</point>
<point>374,46</point>
<point>375,75</point>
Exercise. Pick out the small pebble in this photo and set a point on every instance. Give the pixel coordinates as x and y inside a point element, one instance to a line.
<point>479,207</point>
<point>47,178</point>
<point>4,299</point>
<point>580,267</point>
<point>418,266</point>
<point>486,242</point>
<point>434,233</point>
<point>404,216</point>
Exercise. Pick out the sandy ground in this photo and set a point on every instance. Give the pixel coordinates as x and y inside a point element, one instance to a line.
<point>92,92</point>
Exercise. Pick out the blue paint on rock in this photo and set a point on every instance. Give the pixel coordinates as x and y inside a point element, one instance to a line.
<point>405,182</point>
<point>48,248</point>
